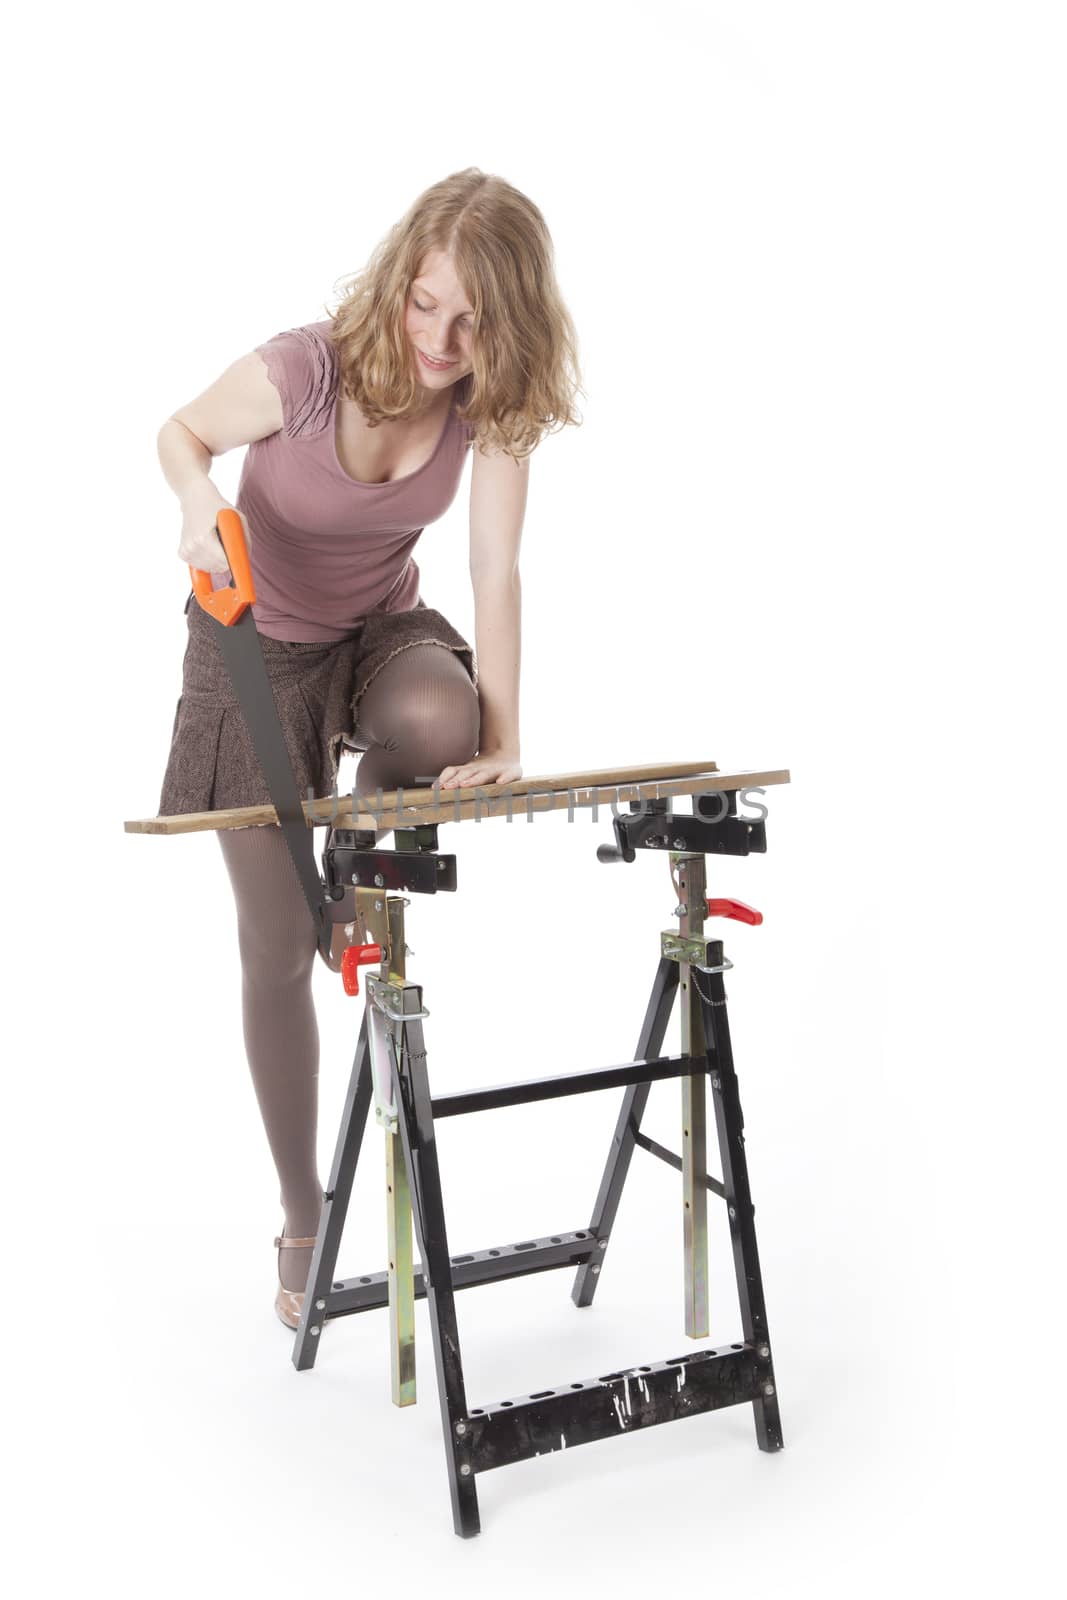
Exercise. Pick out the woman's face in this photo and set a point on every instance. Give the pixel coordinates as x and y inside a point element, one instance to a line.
<point>438,323</point>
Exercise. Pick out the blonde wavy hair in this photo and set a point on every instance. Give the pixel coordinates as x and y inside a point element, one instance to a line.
<point>524,349</point>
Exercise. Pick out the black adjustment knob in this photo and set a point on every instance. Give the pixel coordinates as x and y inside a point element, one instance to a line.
<point>612,852</point>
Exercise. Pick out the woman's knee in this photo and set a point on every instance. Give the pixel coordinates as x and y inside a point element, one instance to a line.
<point>424,707</point>
<point>273,958</point>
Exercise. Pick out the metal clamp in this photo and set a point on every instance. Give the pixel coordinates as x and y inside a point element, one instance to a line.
<point>374,988</point>
<point>384,1057</point>
<point>687,948</point>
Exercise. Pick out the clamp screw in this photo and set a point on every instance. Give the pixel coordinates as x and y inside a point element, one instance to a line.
<point>461,1427</point>
<point>768,1388</point>
<point>733,1213</point>
<point>765,1351</point>
<point>465,1470</point>
<point>602,1245</point>
<point>678,844</point>
<point>378,880</point>
<point>315,1331</point>
<point>596,1270</point>
<point>320,1305</point>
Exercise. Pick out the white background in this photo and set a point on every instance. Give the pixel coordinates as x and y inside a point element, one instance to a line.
<point>813,518</point>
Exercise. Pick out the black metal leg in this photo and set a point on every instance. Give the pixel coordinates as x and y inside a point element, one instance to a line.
<point>649,1044</point>
<point>593,1408</point>
<point>415,1118</point>
<point>335,1204</point>
<point>730,1123</point>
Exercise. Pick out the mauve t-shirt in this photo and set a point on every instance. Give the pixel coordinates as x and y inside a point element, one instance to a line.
<point>327,549</point>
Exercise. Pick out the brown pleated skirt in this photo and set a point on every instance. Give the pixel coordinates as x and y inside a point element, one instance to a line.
<point>317,688</point>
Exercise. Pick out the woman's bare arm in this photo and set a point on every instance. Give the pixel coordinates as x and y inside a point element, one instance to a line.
<point>240,406</point>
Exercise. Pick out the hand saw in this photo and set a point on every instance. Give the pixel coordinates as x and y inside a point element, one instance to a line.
<point>230,610</point>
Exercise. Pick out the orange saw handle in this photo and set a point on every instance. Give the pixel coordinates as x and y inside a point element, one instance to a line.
<point>228,604</point>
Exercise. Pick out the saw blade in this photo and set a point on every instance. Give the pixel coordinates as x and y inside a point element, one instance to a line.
<point>241,651</point>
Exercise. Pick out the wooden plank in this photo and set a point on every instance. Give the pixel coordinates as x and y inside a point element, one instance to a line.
<point>327,810</point>
<point>482,802</point>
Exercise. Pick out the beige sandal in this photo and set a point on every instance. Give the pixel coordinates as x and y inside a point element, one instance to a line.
<point>289,1303</point>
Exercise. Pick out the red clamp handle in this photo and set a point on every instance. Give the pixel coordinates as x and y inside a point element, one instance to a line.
<point>356,956</point>
<point>226,605</point>
<point>736,909</point>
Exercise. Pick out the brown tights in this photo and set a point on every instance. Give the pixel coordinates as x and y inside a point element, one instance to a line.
<point>419,715</point>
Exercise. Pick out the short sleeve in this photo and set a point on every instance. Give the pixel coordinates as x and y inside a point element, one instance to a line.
<point>302,367</point>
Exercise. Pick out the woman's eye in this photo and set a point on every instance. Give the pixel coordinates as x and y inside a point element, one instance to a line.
<point>466,325</point>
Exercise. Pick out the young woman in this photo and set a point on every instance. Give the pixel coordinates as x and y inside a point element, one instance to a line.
<point>358,428</point>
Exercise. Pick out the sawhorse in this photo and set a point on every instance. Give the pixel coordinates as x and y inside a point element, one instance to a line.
<point>390,1068</point>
